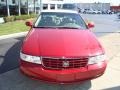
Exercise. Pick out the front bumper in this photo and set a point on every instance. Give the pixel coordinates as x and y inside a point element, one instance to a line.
<point>63,76</point>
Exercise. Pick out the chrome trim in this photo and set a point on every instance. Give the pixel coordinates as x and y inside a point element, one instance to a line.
<point>85,57</point>
<point>65,63</point>
<point>62,62</point>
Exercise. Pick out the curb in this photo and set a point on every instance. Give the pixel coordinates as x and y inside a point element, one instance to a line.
<point>13,35</point>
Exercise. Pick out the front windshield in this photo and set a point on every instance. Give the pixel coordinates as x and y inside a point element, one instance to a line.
<point>60,20</point>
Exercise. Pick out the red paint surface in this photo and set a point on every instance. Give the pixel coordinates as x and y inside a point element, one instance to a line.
<point>61,42</point>
<point>58,43</point>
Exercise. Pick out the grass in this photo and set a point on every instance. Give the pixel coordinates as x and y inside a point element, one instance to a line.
<point>13,27</point>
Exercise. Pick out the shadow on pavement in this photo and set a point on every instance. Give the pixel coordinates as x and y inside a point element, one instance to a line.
<point>14,80</point>
<point>10,60</point>
<point>113,88</point>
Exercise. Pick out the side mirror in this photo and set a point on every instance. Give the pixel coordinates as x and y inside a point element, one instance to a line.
<point>29,23</point>
<point>90,25</point>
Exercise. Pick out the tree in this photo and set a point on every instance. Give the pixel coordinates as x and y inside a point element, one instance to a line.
<point>28,7</point>
<point>35,6</point>
<point>40,6</point>
<point>19,7</point>
<point>7,7</point>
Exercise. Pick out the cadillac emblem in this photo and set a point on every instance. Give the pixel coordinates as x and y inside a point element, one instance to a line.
<point>65,63</point>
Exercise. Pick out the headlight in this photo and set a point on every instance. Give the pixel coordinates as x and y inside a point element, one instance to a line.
<point>29,58</point>
<point>96,59</point>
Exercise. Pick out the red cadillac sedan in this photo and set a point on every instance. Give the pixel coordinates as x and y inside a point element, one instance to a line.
<point>61,48</point>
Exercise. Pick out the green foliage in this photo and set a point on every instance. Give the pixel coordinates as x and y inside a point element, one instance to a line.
<point>22,17</point>
<point>13,27</point>
<point>9,19</point>
<point>33,15</point>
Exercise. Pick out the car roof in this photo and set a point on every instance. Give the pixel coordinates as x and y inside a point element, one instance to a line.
<point>61,11</point>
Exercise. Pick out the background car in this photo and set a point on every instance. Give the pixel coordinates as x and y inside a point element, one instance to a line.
<point>118,14</point>
<point>69,6</point>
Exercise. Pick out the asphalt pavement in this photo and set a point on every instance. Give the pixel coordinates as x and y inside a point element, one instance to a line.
<point>10,47</point>
<point>14,80</point>
<point>104,24</point>
<point>9,53</point>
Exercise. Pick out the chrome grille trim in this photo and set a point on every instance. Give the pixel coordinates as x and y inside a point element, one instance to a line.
<point>57,63</point>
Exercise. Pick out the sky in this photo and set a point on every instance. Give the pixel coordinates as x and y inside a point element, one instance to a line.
<point>113,2</point>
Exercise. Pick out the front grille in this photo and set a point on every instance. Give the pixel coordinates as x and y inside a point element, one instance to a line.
<point>67,63</point>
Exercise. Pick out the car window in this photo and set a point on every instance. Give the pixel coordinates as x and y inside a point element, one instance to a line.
<point>69,6</point>
<point>59,20</point>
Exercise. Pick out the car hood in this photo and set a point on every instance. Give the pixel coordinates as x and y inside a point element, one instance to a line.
<point>61,42</point>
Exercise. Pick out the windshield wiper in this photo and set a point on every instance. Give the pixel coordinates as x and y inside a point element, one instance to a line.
<point>58,27</point>
<point>45,27</point>
<point>69,27</point>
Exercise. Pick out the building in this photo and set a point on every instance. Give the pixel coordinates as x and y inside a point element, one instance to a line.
<point>47,4</point>
<point>94,6</point>
<point>10,2</point>
<point>58,4</point>
<point>115,8</point>
<point>55,4</point>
